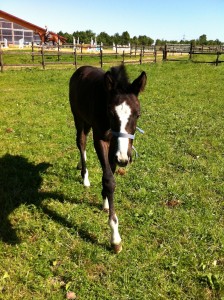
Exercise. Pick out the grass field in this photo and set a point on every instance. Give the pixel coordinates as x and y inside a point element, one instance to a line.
<point>54,238</point>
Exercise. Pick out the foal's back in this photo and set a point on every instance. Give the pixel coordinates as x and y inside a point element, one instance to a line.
<point>87,94</point>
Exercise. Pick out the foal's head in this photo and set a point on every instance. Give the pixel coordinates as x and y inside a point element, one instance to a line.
<point>123,110</point>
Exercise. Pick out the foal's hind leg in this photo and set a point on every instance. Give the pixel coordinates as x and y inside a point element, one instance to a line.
<point>81,136</point>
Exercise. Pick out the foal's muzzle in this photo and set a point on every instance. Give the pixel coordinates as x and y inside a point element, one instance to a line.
<point>123,154</point>
<point>122,162</point>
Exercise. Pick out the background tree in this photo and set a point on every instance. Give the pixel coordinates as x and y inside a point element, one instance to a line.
<point>202,39</point>
<point>117,38</point>
<point>145,41</point>
<point>215,42</point>
<point>84,36</point>
<point>69,37</point>
<point>134,40</point>
<point>125,38</point>
<point>104,38</point>
<point>160,42</point>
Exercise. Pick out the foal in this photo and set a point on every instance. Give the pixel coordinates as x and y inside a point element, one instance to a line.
<point>107,103</point>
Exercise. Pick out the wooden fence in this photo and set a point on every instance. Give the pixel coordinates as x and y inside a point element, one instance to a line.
<point>80,54</point>
<point>76,55</point>
<point>169,51</point>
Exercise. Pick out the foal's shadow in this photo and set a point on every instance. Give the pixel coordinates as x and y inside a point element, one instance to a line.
<point>20,183</point>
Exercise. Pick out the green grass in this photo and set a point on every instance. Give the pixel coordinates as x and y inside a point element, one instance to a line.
<point>54,238</point>
<point>205,58</point>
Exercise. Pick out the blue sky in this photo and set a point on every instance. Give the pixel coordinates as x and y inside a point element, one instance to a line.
<point>162,19</point>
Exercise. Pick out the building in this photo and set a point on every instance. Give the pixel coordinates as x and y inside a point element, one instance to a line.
<point>14,31</point>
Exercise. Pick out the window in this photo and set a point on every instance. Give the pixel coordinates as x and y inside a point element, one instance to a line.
<point>6,31</point>
<point>16,26</point>
<point>18,33</point>
<point>28,34</point>
<point>6,25</point>
<point>9,39</point>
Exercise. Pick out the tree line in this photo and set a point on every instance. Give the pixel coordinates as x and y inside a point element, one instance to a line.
<point>202,40</point>
<point>106,39</point>
<point>125,38</point>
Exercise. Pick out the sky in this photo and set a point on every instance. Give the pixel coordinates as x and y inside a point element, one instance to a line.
<point>161,19</point>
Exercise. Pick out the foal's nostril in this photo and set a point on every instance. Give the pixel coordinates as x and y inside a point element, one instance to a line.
<point>122,162</point>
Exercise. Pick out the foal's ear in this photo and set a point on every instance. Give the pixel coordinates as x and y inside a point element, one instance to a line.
<point>139,83</point>
<point>108,80</point>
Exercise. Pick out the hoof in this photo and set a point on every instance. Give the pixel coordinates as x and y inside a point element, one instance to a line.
<point>106,210</point>
<point>116,248</point>
<point>86,184</point>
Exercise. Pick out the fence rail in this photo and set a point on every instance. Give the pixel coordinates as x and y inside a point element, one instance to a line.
<point>78,55</point>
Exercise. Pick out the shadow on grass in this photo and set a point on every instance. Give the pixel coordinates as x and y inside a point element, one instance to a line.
<point>20,183</point>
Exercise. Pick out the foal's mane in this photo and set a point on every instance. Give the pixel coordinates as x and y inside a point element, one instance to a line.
<point>121,79</point>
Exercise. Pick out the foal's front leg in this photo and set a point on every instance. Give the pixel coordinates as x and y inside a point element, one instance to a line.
<point>108,183</point>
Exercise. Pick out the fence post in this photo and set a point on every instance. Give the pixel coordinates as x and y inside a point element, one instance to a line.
<point>1,59</point>
<point>165,53</point>
<point>191,50</point>
<point>101,57</point>
<point>217,59</point>
<point>42,55</point>
<point>155,54</point>
<point>75,55</point>
<point>123,57</point>
<point>32,47</point>
<point>140,61</point>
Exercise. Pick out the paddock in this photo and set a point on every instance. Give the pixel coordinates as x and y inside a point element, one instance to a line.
<point>53,234</point>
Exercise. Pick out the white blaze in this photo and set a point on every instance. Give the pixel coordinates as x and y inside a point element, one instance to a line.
<point>123,111</point>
